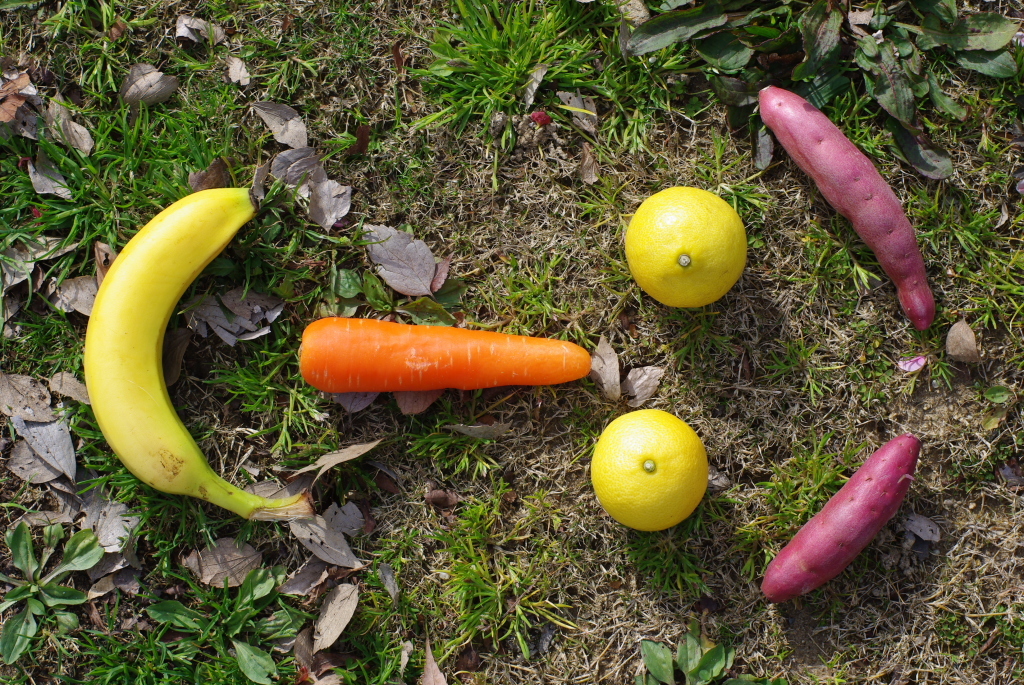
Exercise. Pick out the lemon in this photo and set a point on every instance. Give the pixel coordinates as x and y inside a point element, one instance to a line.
<point>650,470</point>
<point>686,247</point>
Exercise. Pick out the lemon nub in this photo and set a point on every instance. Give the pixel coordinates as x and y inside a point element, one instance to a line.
<point>649,466</point>
<point>684,260</point>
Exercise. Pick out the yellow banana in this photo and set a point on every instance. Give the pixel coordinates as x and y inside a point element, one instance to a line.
<point>124,344</point>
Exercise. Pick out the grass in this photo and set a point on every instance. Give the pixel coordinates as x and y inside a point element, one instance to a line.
<point>790,379</point>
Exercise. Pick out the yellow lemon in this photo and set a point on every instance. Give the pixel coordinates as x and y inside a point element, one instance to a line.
<point>686,247</point>
<point>650,470</point>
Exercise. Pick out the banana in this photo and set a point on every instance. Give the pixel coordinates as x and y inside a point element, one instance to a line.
<point>124,345</point>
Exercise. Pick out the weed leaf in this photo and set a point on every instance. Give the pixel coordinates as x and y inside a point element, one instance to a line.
<point>674,27</point>
<point>338,608</point>
<point>406,264</point>
<point>65,383</point>
<point>604,370</point>
<point>961,343</point>
<point>658,659</point>
<point>995,64</point>
<point>237,71</point>
<point>724,51</point>
<point>256,664</point>
<point>19,541</point>
<point>81,552</point>
<point>930,161</point>
<point>54,595</point>
<point>284,122</point>
<point>819,27</point>
<point>428,312</point>
<point>943,9</point>
<point>689,653</point>
<point>329,201</point>
<point>51,440</point>
<point>997,394</point>
<point>147,85</point>
<point>709,667</point>
<point>16,636</point>
<point>943,102</point>
<point>46,179</point>
<point>431,673</point>
<point>332,459</point>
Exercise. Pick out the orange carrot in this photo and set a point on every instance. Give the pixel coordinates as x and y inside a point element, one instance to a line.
<point>366,355</point>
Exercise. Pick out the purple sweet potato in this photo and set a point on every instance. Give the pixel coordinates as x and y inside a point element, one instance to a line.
<point>846,524</point>
<point>851,184</point>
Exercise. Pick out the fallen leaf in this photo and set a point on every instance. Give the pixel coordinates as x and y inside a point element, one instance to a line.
<point>354,401</point>
<point>304,649</point>
<point>442,499</point>
<point>584,110</point>
<point>306,577</point>
<point>45,177</point>
<point>284,122</point>
<point>642,383</point>
<point>407,649</point>
<point>252,305</point>
<point>25,124</point>
<point>961,343</point>
<point>536,78</point>
<point>468,661</point>
<point>1011,474</point>
<point>117,30</point>
<point>9,107</point>
<point>65,383</point>
<point>588,165</point>
<point>258,190</point>
<point>604,369</point>
<point>235,315</point>
<point>24,397</point>
<point>104,257</point>
<point>51,440</point>
<point>923,527</point>
<point>108,520</point>
<point>126,580</point>
<point>237,71</point>
<point>482,431</point>
<point>324,541</point>
<point>332,459</point>
<point>110,563</point>
<point>217,175</point>
<point>362,143</point>
<point>387,576</point>
<point>431,673</point>
<point>717,481</point>
<point>26,464</point>
<point>72,134</point>
<point>406,264</point>
<point>386,483</point>
<point>298,168</point>
<point>994,417</point>
<point>860,17</point>
<point>76,294</point>
<point>175,344</point>
<point>912,365</point>
<point>396,54</point>
<point>547,636</point>
<point>416,401</point>
<point>441,273</point>
<point>328,202</point>
<point>348,519</point>
<point>338,608</point>
<point>147,85</point>
<point>226,560</point>
<point>198,30</point>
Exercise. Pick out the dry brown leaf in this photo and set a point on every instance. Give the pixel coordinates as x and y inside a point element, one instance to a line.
<point>387,576</point>
<point>304,649</point>
<point>416,401</point>
<point>9,107</point>
<point>442,499</point>
<point>26,464</point>
<point>469,661</point>
<point>284,122</point>
<point>923,527</point>
<point>110,563</point>
<point>362,143</point>
<point>441,273</point>
<point>117,30</point>
<point>961,343</point>
<point>235,315</point>
<point>237,71</point>
<point>584,110</point>
<point>307,577</point>
<point>198,30</point>
<point>226,560</point>
<point>324,541</point>
<point>348,519</point>
<point>406,264</point>
<point>147,85</point>
<point>104,257</point>
<point>65,383</point>
<point>24,397</point>
<point>72,134</point>
<point>431,673</point>
<point>588,165</point>
<point>482,431</point>
<point>642,383</point>
<point>332,459</point>
<point>126,580</point>
<point>217,175</point>
<point>76,294</point>
<point>536,78</point>
<point>634,12</point>
<point>109,520</point>
<point>604,369</point>
<point>338,608</point>
<point>258,190</point>
<point>175,344</point>
<point>354,401</point>
<point>329,201</point>
<point>298,168</point>
<point>46,178</point>
<point>407,649</point>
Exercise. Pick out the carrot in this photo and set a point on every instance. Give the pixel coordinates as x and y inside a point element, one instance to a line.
<point>365,355</point>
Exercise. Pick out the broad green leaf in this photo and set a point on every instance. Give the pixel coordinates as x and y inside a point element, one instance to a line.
<point>820,91</point>
<point>738,117</point>
<point>376,294</point>
<point>66,621</point>
<point>81,552</point>
<point>427,311</point>
<point>892,88</point>
<point>52,535</point>
<point>19,593</point>
<point>257,584</point>
<point>177,614</point>
<point>998,394</point>
<point>256,664</point>
<point>995,64</point>
<point>35,606</point>
<point>16,636</point>
<point>989,31</point>
<point>943,9</point>
<point>724,51</point>
<point>658,659</point>
<point>994,417</point>
<point>733,91</point>
<point>819,27</point>
<point>57,595</point>
<point>943,102</point>
<point>784,43</point>
<point>931,161</point>
<point>710,666</point>
<point>689,653</point>
<point>346,283</point>
<point>674,27</point>
<point>19,541</point>
<point>450,294</point>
